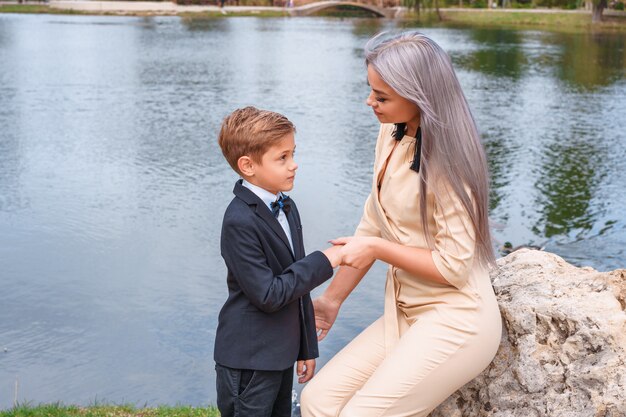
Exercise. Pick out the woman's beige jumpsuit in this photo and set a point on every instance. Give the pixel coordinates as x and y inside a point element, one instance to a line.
<point>432,338</point>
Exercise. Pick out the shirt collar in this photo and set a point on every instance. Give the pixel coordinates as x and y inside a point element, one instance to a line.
<point>267,197</point>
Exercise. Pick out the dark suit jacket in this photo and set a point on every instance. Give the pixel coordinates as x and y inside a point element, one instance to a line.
<point>267,322</point>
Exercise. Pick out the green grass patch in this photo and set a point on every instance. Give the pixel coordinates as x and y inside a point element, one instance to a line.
<point>560,21</point>
<point>38,9</point>
<point>44,9</point>
<point>518,18</point>
<point>60,410</point>
<point>24,8</point>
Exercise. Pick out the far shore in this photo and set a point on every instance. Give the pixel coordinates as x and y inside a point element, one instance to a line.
<point>552,19</point>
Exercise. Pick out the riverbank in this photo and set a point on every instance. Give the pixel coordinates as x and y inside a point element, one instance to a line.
<point>544,18</point>
<point>59,410</point>
<point>138,8</point>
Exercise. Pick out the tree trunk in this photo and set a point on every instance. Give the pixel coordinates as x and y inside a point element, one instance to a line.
<point>439,13</point>
<point>598,8</point>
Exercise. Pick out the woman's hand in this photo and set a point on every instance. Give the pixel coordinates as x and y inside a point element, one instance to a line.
<point>325,314</point>
<point>357,251</point>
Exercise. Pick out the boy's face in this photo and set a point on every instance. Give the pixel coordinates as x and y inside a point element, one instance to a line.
<point>277,169</point>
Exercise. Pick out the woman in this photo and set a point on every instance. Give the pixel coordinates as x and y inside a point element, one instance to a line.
<point>427,218</point>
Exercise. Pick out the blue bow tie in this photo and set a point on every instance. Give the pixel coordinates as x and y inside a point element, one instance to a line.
<point>282,203</point>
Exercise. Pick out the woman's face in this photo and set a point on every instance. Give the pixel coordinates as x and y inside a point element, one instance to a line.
<point>388,105</point>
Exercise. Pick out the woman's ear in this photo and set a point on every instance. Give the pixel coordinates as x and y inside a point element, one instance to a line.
<point>246,166</point>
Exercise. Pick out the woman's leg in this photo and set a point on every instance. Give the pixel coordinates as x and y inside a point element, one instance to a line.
<point>431,361</point>
<point>334,385</point>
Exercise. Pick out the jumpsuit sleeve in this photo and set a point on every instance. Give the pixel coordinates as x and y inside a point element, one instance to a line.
<point>369,224</point>
<point>455,238</point>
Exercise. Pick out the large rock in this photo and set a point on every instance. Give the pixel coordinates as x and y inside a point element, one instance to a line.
<point>563,350</point>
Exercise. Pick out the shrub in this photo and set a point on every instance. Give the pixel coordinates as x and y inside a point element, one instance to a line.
<point>521,4</point>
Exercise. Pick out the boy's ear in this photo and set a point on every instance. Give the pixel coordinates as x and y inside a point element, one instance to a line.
<point>246,166</point>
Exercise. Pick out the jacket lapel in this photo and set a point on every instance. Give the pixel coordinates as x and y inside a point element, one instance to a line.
<point>381,166</point>
<point>262,211</point>
<point>268,217</point>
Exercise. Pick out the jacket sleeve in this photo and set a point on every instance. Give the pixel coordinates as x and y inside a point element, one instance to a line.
<point>455,238</point>
<point>245,259</point>
<point>308,333</point>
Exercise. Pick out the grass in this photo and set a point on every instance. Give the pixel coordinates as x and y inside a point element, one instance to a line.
<point>575,21</point>
<point>33,8</point>
<point>60,410</point>
<point>44,9</point>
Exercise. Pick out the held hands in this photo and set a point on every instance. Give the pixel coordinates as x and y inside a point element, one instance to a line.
<point>357,251</point>
<point>305,370</point>
<point>334,255</point>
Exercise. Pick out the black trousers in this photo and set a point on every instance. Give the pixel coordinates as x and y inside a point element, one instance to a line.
<point>253,393</point>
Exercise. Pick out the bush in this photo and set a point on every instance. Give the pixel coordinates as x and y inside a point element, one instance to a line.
<point>521,4</point>
<point>561,4</point>
<point>619,6</point>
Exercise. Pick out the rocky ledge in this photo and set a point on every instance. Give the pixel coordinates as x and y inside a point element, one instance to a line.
<point>563,350</point>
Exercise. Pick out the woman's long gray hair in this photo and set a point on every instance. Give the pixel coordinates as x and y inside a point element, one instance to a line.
<point>452,154</point>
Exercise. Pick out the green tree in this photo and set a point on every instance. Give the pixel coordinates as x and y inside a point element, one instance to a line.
<point>413,4</point>
<point>417,5</point>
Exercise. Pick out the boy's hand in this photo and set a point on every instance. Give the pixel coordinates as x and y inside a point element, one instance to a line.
<point>334,255</point>
<point>305,370</point>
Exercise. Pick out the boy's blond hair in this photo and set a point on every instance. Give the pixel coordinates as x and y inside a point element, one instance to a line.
<point>251,132</point>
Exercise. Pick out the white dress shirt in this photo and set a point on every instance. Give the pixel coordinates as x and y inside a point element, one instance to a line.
<point>268,198</point>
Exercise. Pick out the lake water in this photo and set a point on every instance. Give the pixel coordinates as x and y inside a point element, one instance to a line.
<point>112,185</point>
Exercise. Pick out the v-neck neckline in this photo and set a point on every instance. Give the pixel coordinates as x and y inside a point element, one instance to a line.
<point>381,173</point>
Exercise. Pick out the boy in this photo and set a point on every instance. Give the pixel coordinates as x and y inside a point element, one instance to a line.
<point>267,323</point>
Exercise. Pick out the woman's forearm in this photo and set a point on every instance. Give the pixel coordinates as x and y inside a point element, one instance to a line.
<point>344,282</point>
<point>415,261</point>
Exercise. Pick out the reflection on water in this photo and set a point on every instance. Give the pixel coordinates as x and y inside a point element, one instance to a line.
<point>498,53</point>
<point>569,186</point>
<point>112,185</point>
<point>590,61</point>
